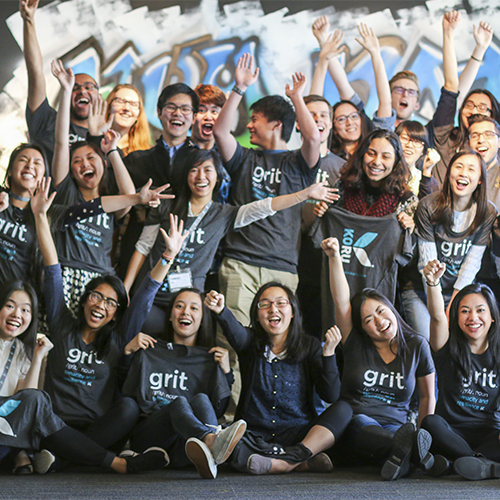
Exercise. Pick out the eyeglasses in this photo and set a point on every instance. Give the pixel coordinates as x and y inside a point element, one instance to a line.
<point>343,118</point>
<point>172,108</point>
<point>488,134</point>
<point>402,91</point>
<point>266,304</point>
<point>406,139</point>
<point>122,102</point>
<point>482,108</point>
<point>89,87</point>
<point>109,303</point>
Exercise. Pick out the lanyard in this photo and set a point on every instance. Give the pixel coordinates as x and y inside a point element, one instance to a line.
<point>196,223</point>
<point>7,365</point>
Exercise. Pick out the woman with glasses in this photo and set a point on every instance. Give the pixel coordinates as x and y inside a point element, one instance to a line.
<point>281,369</point>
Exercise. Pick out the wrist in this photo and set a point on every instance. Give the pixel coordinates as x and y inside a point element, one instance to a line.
<point>478,53</point>
<point>239,89</point>
<point>433,283</point>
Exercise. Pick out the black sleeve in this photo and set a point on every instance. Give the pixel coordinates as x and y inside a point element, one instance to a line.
<point>236,334</point>
<point>427,186</point>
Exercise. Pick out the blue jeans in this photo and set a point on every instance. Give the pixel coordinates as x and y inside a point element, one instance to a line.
<point>360,421</point>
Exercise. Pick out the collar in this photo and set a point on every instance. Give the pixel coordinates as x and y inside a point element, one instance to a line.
<point>270,356</point>
<point>172,150</point>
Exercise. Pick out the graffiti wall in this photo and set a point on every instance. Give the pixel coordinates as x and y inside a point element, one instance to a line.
<point>116,43</point>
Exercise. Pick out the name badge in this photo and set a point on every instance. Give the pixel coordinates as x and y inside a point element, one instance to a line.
<point>180,279</point>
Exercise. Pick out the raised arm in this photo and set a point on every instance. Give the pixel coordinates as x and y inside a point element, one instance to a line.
<point>371,44</point>
<point>308,128</point>
<point>60,162</point>
<point>439,330</point>
<point>339,287</point>
<point>42,347</point>
<point>244,76</point>
<point>451,20</point>
<point>483,34</point>
<point>321,28</point>
<point>32,55</point>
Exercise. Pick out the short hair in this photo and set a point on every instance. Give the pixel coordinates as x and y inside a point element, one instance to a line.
<point>482,118</point>
<point>175,89</point>
<point>16,153</point>
<point>319,98</point>
<point>91,77</point>
<point>277,108</point>
<point>408,75</point>
<point>210,94</point>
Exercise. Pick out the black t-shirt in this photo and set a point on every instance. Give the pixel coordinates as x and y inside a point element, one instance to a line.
<point>87,244</point>
<point>468,403</point>
<point>271,243</point>
<point>158,376</point>
<point>378,389</point>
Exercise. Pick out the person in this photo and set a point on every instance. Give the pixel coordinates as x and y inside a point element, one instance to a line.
<point>28,421</point>
<point>201,173</point>
<point>454,226</point>
<point>465,429</point>
<point>181,416</point>
<point>281,369</point>
<point>350,121</point>
<point>81,375</point>
<point>384,361</point>
<point>40,116</point>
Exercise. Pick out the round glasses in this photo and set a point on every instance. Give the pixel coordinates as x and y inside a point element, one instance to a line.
<point>97,297</point>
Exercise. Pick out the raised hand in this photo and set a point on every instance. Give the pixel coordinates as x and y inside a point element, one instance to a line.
<point>368,40</point>
<point>41,200</point>
<point>244,75</point>
<point>433,271</point>
<point>332,340</point>
<point>483,34</point>
<point>65,76</point>
<point>215,301</point>
<point>140,341</point>
<point>321,191</point>
<point>451,21</point>
<point>4,200</point>
<point>110,140</point>
<point>43,345</point>
<point>97,117</point>
<point>431,158</point>
<point>406,221</point>
<point>331,247</point>
<point>332,46</point>
<point>221,356</point>
<point>153,197</point>
<point>299,83</point>
<point>175,238</point>
<point>320,29</point>
<point>27,9</point>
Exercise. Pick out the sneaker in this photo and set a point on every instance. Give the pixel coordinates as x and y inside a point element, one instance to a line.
<point>477,468</point>
<point>398,463</point>
<point>128,453</point>
<point>43,461</point>
<point>258,465</point>
<point>201,456</point>
<point>422,458</point>
<point>153,458</point>
<point>320,463</point>
<point>226,440</point>
<point>441,466</point>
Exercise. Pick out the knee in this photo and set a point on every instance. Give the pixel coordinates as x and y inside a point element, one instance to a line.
<point>431,422</point>
<point>33,396</point>
<point>128,408</point>
<point>200,399</point>
<point>178,403</point>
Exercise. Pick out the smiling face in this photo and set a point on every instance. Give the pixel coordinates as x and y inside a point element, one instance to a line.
<point>465,176</point>
<point>95,313</point>
<point>275,319</point>
<point>403,103</point>
<point>379,160</point>
<point>346,124</point>
<point>378,321</point>
<point>412,149</point>
<point>204,122</point>
<point>321,115</point>
<point>483,138</point>
<point>15,315</point>
<point>87,167</point>
<point>476,104</point>
<point>261,130</point>
<point>84,93</point>
<point>176,124</point>
<point>27,169</point>
<point>186,316</point>
<point>474,318</point>
<point>202,179</point>
<point>126,108</point>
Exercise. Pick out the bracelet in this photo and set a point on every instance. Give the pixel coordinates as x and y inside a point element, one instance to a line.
<point>238,90</point>
<point>111,150</point>
<point>476,59</point>
<point>298,197</point>
<point>435,284</point>
<point>166,259</point>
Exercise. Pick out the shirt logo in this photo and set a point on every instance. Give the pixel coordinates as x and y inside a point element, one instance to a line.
<point>349,246</point>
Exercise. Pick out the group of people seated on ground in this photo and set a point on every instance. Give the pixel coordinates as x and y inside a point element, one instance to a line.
<point>382,231</point>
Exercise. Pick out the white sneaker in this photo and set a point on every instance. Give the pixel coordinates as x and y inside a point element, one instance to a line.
<point>226,440</point>
<point>201,456</point>
<point>43,461</point>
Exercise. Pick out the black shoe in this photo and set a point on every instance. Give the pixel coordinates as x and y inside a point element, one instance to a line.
<point>153,458</point>
<point>441,466</point>
<point>398,464</point>
<point>477,468</point>
<point>421,457</point>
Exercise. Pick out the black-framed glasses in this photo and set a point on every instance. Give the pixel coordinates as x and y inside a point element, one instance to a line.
<point>89,87</point>
<point>172,108</point>
<point>109,304</point>
<point>487,134</point>
<point>482,108</point>
<point>122,102</point>
<point>402,91</point>
<point>279,303</point>
<point>343,118</point>
<point>406,139</point>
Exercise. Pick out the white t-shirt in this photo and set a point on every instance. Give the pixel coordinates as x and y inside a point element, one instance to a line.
<point>18,369</point>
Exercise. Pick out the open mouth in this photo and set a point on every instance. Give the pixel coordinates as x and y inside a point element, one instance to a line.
<point>385,328</point>
<point>462,183</point>
<point>88,173</point>
<point>28,176</point>
<point>274,320</point>
<point>201,185</point>
<point>13,323</point>
<point>403,104</point>
<point>185,322</point>
<point>81,102</point>
<point>375,170</point>
<point>97,316</point>
<point>176,123</point>
<point>207,128</point>
<point>482,149</point>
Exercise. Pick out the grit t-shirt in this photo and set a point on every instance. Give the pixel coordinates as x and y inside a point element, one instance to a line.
<point>158,376</point>
<point>272,243</point>
<point>378,389</point>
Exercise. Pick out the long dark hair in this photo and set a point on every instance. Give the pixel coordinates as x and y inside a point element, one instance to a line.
<point>443,213</point>
<point>460,135</point>
<point>354,177</point>
<point>103,336</point>
<point>337,145</point>
<point>185,160</point>
<point>459,345</point>
<point>97,150</point>
<point>417,132</point>
<point>295,345</point>
<point>28,337</point>
<point>206,333</point>
<point>15,154</point>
